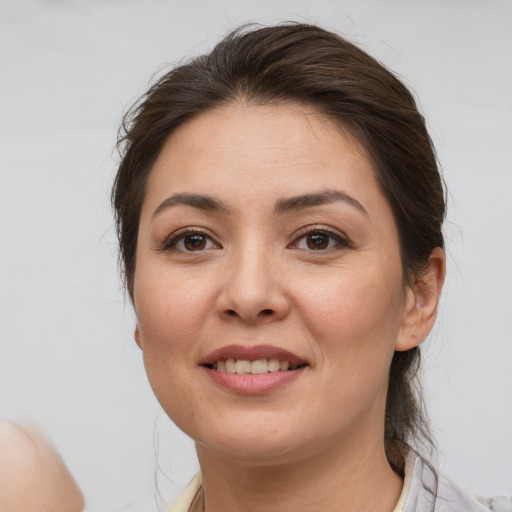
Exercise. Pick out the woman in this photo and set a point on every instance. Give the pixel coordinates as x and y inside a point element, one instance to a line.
<point>279,210</point>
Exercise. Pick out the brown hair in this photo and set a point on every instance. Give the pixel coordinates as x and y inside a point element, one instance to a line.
<point>309,65</point>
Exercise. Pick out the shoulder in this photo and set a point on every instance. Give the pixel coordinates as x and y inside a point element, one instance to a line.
<point>431,491</point>
<point>32,475</point>
<point>451,497</point>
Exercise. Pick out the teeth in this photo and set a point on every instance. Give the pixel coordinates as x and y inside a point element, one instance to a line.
<point>273,365</point>
<point>230,366</point>
<point>242,366</point>
<point>258,367</point>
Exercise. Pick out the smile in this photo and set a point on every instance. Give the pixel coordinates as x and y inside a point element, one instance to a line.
<point>257,367</point>
<point>253,370</point>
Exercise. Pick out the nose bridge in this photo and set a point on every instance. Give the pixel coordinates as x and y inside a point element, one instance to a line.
<point>252,289</point>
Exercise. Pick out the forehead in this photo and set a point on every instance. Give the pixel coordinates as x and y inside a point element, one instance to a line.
<point>285,147</point>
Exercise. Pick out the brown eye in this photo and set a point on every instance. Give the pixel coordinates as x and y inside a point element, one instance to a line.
<point>321,240</point>
<point>195,242</point>
<point>190,241</point>
<point>317,241</point>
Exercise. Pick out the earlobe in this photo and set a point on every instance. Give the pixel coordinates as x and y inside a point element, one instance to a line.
<point>137,335</point>
<point>421,302</point>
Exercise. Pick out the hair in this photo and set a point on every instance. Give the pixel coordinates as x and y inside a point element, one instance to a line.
<point>307,65</point>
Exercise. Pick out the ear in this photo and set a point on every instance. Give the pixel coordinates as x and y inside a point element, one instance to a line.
<point>138,336</point>
<point>421,300</point>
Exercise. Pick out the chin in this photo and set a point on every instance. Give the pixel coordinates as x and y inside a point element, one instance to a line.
<point>255,443</point>
<point>256,452</point>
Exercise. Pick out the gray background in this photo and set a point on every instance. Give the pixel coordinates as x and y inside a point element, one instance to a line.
<point>68,70</point>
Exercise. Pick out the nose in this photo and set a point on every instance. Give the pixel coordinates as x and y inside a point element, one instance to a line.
<point>252,289</point>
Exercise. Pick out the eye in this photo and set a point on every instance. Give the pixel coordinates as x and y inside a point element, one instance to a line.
<point>190,241</point>
<point>320,240</point>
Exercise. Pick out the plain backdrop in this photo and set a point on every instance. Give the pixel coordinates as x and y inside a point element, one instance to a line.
<point>69,69</point>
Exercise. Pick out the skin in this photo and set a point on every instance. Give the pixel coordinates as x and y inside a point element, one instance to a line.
<point>32,475</point>
<point>315,443</point>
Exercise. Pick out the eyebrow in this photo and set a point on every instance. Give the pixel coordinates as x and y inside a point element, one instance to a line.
<point>282,206</point>
<point>317,199</point>
<point>200,201</point>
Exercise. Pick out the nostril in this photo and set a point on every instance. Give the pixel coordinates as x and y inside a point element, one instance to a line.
<point>266,312</point>
<point>231,312</point>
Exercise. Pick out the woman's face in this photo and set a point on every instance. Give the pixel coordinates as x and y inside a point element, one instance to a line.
<point>265,243</point>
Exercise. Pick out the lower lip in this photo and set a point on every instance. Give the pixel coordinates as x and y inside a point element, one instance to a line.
<point>250,384</point>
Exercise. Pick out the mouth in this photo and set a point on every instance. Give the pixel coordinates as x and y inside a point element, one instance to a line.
<point>253,369</point>
<point>256,367</point>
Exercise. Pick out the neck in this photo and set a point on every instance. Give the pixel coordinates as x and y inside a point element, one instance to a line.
<point>333,480</point>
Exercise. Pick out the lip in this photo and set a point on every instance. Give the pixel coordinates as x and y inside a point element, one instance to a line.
<point>250,384</point>
<point>252,353</point>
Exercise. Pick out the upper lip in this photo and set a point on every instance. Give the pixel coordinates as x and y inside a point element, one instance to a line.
<point>252,353</point>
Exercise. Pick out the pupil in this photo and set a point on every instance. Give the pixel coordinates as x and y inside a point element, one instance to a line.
<point>318,241</point>
<point>195,242</point>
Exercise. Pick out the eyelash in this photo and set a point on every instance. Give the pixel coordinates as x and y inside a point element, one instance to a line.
<point>172,241</point>
<point>341,241</point>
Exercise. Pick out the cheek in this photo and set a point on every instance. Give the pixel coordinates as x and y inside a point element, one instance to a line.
<point>355,317</point>
<point>170,314</point>
<point>170,311</point>
<point>351,299</point>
